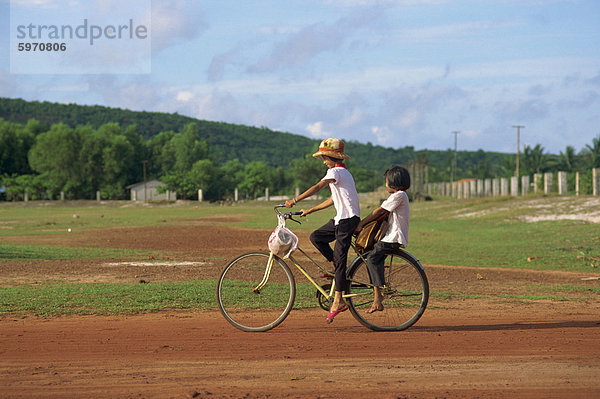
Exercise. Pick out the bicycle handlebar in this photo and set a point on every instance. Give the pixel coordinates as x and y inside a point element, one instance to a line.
<point>286,215</point>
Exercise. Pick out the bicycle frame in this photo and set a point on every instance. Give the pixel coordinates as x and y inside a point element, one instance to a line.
<point>326,294</point>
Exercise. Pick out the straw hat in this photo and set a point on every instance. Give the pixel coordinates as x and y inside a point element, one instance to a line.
<point>332,148</point>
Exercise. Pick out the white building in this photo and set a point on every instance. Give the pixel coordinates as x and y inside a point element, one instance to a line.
<point>148,191</point>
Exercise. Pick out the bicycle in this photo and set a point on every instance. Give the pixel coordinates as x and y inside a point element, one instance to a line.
<point>256,291</point>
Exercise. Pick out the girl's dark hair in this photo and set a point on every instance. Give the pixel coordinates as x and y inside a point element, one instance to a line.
<point>398,178</point>
<point>333,159</point>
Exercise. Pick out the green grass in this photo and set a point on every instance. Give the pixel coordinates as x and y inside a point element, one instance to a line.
<point>565,288</point>
<point>453,295</point>
<point>40,218</point>
<point>492,234</point>
<point>12,252</point>
<point>535,297</point>
<point>495,236</point>
<point>55,217</point>
<point>102,299</point>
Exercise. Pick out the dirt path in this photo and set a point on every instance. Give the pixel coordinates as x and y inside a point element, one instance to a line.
<point>468,352</point>
<point>492,346</point>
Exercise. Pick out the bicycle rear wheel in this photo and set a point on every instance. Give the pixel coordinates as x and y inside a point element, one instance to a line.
<point>406,293</point>
<point>250,305</point>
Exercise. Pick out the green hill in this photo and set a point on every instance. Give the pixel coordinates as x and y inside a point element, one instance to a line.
<point>246,143</point>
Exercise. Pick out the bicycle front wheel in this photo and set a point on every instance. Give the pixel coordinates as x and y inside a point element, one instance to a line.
<point>254,295</point>
<point>406,293</point>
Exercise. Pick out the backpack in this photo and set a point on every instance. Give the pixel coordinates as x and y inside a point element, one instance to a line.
<point>371,233</point>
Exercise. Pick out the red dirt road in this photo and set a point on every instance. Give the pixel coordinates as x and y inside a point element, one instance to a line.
<point>485,347</point>
<point>482,353</point>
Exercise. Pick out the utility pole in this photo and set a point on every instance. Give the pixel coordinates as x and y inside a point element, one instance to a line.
<point>518,127</point>
<point>455,133</point>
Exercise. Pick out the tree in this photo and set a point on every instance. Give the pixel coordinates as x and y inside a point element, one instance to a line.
<point>56,155</point>
<point>179,156</point>
<point>257,176</point>
<point>594,152</point>
<point>366,180</point>
<point>534,159</point>
<point>203,176</point>
<point>176,181</point>
<point>566,161</point>
<point>117,166</point>
<point>232,174</point>
<point>15,143</point>
<point>141,153</point>
<point>306,171</point>
<point>36,186</point>
<point>183,150</point>
<point>159,166</point>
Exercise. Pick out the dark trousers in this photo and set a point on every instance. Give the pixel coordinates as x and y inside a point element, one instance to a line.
<point>342,234</point>
<point>376,259</point>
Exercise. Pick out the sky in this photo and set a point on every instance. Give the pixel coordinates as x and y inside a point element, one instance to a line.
<point>392,73</point>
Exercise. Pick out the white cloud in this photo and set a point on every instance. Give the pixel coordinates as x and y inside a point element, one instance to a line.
<point>314,39</point>
<point>185,96</point>
<point>352,117</point>
<point>382,134</point>
<point>174,21</point>
<point>316,130</point>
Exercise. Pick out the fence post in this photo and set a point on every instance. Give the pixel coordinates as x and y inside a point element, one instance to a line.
<point>496,187</point>
<point>98,195</point>
<point>514,186</point>
<point>547,183</point>
<point>487,187</point>
<point>62,195</point>
<point>267,193</point>
<point>200,195</point>
<point>562,183</point>
<point>577,184</point>
<point>235,194</point>
<point>596,181</point>
<point>503,186</point>
<point>524,185</point>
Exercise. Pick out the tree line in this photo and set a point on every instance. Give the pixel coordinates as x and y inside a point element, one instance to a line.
<point>83,160</point>
<point>48,148</point>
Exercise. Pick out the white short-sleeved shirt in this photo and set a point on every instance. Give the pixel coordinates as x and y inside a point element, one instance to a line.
<point>343,193</point>
<point>397,205</point>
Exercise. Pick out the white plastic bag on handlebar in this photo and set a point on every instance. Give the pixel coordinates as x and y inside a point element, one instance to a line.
<point>282,241</point>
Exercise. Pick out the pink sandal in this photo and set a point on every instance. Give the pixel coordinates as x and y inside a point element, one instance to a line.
<point>331,315</point>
